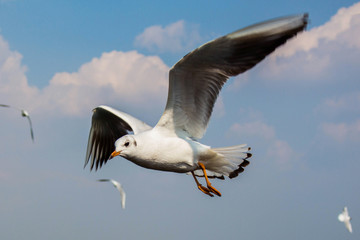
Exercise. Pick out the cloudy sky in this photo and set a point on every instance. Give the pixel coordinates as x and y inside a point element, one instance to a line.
<point>299,110</point>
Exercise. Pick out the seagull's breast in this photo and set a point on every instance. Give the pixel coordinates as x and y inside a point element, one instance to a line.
<point>166,153</point>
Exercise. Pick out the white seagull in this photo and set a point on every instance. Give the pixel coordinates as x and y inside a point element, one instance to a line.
<point>194,84</point>
<point>118,187</point>
<point>24,114</point>
<point>345,218</point>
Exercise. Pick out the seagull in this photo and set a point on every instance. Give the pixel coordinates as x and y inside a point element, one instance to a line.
<point>345,218</point>
<point>24,114</point>
<point>194,84</point>
<point>119,187</point>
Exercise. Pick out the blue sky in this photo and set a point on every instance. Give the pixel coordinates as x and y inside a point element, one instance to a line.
<point>298,110</point>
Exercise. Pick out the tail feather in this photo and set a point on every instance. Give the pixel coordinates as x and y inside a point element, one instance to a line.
<point>226,161</point>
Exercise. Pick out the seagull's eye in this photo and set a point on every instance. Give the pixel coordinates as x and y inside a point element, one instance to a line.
<point>127,143</point>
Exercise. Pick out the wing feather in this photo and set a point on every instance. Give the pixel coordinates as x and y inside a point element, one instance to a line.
<point>196,80</point>
<point>107,126</point>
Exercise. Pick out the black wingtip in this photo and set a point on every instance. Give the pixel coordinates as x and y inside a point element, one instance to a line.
<point>241,166</point>
<point>236,172</point>
<point>244,163</point>
<point>85,165</point>
<point>306,17</point>
<point>218,177</point>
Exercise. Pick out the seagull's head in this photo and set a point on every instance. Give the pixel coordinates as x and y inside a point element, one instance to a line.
<point>124,146</point>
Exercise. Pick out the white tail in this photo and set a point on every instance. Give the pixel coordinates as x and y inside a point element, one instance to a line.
<point>226,161</point>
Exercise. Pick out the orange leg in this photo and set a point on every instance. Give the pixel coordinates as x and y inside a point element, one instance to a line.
<point>211,188</point>
<point>201,187</point>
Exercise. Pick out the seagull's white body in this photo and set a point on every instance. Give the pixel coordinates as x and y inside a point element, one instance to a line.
<point>119,187</point>
<point>194,84</point>
<point>345,218</point>
<point>181,158</point>
<point>150,152</point>
<point>24,114</point>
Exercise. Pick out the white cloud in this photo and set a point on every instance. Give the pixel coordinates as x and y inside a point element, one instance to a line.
<point>257,129</point>
<point>125,77</point>
<point>277,151</point>
<point>238,82</point>
<point>340,27</point>
<point>281,152</point>
<point>320,54</point>
<point>342,132</point>
<point>348,103</point>
<point>13,82</point>
<point>345,111</point>
<point>175,37</point>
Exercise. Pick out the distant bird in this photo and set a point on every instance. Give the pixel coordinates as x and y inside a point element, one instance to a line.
<point>194,84</point>
<point>344,217</point>
<point>24,114</point>
<point>119,187</point>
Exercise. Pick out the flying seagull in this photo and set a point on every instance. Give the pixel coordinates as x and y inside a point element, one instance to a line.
<point>119,187</point>
<point>194,84</point>
<point>24,114</point>
<point>345,218</point>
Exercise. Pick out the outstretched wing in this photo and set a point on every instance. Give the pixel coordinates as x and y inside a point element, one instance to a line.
<point>31,128</point>
<point>347,219</point>
<point>119,188</point>
<point>122,192</point>
<point>348,226</point>
<point>107,126</point>
<point>196,80</point>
